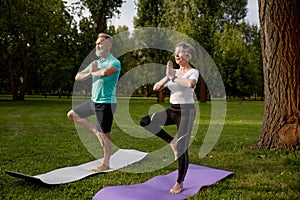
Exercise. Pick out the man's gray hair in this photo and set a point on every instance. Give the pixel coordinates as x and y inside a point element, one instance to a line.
<point>106,36</point>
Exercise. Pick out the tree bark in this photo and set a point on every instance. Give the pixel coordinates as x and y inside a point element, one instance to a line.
<point>160,96</point>
<point>280,28</point>
<point>100,25</point>
<point>26,68</point>
<point>13,85</point>
<point>203,87</point>
<point>203,91</point>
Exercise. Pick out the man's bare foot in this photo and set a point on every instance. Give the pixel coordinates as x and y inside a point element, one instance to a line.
<point>173,145</point>
<point>176,189</point>
<point>101,168</point>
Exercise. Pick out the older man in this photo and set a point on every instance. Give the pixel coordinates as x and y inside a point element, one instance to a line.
<point>105,73</point>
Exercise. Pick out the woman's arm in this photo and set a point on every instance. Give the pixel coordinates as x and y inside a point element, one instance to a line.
<point>160,85</point>
<point>189,83</point>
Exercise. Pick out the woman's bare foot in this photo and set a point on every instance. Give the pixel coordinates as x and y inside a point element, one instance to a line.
<point>176,189</point>
<point>173,145</point>
<point>100,168</point>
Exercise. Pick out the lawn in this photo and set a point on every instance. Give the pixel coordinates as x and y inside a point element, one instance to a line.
<point>36,137</point>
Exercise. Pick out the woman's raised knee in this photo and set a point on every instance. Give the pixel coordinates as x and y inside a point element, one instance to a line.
<point>145,121</point>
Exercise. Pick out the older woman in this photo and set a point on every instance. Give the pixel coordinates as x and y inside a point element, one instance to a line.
<point>181,83</point>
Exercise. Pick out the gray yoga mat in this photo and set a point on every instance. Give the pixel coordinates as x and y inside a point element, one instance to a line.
<point>120,159</point>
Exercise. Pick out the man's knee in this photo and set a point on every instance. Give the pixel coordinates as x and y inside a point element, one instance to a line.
<point>70,115</point>
<point>145,121</point>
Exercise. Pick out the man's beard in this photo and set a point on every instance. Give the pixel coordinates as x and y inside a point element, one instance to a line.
<point>101,52</point>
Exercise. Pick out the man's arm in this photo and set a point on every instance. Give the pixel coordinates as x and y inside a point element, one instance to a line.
<point>86,73</point>
<point>104,72</point>
<point>94,71</point>
<point>83,75</point>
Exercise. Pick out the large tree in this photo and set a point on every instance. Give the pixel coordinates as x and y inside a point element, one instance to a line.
<point>28,28</point>
<point>280,33</point>
<point>101,11</point>
<point>149,14</point>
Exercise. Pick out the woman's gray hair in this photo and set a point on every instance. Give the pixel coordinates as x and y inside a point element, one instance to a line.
<point>190,51</point>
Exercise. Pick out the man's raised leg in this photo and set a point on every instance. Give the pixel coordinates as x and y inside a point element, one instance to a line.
<point>84,122</point>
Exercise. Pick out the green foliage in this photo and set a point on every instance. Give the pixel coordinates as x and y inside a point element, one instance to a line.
<point>237,58</point>
<point>234,10</point>
<point>42,46</point>
<point>149,13</point>
<point>36,137</point>
<point>101,11</point>
<point>217,25</point>
<point>31,30</point>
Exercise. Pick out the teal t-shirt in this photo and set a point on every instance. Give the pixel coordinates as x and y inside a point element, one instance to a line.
<point>104,88</point>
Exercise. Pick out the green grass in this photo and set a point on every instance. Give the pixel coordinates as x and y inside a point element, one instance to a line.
<point>36,137</point>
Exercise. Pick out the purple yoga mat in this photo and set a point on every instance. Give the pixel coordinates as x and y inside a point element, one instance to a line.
<point>158,187</point>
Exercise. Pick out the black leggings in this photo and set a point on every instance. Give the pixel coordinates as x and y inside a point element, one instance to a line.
<point>183,116</point>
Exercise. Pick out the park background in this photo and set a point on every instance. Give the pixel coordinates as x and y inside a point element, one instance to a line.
<point>43,44</point>
<point>48,42</point>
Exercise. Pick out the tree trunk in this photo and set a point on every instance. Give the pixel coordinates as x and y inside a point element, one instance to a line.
<point>160,96</point>
<point>147,93</point>
<point>203,84</point>
<point>203,91</point>
<point>26,69</point>
<point>100,25</point>
<point>280,28</point>
<point>13,84</point>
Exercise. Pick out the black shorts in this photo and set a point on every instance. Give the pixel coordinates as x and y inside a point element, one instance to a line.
<point>104,114</point>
